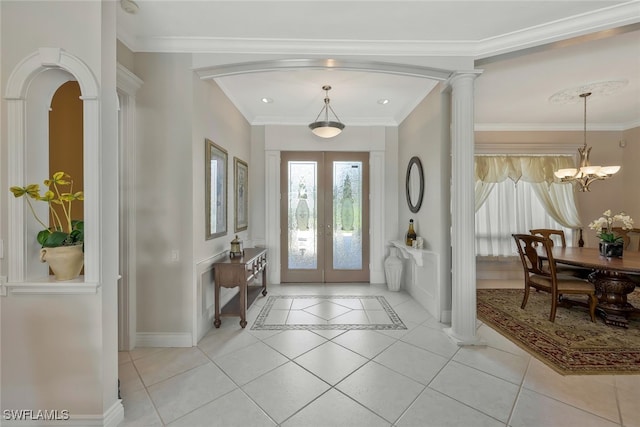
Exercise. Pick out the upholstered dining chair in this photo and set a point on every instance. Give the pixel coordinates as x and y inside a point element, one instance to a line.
<point>570,270</point>
<point>544,277</point>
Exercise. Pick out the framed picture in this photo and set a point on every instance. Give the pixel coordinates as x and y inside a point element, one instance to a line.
<point>215,190</point>
<point>241,172</point>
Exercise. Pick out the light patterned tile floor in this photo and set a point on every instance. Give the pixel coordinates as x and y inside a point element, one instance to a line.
<point>327,378</point>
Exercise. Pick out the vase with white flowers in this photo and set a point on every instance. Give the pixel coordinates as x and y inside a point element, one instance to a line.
<point>611,243</point>
<point>63,241</point>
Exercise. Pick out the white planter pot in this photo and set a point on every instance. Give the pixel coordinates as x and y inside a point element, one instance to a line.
<point>393,270</point>
<point>65,261</point>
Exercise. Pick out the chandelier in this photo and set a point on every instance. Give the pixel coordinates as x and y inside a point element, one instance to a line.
<point>585,174</point>
<point>326,128</point>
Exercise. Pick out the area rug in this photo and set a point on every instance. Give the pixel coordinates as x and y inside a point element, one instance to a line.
<point>571,345</point>
<point>327,312</point>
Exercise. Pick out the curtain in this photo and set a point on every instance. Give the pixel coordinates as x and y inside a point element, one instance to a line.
<point>510,208</point>
<point>483,189</point>
<point>557,197</point>
<point>535,199</point>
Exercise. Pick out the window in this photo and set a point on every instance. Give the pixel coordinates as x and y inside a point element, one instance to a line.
<point>511,208</point>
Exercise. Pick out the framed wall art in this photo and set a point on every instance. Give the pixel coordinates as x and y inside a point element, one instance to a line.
<point>215,190</point>
<point>241,173</point>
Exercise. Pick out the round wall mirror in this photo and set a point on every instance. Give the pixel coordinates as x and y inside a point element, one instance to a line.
<point>415,184</point>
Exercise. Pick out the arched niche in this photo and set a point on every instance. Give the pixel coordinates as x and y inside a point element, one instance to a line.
<point>29,90</point>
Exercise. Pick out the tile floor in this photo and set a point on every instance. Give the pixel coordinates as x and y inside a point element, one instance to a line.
<point>328,378</point>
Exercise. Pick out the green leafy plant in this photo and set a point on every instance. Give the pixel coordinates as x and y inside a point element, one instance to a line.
<point>604,225</point>
<point>64,231</point>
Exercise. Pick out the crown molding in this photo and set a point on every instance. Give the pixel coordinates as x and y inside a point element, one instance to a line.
<point>602,19</point>
<point>598,20</point>
<point>533,148</point>
<point>554,127</point>
<point>301,121</point>
<point>305,46</point>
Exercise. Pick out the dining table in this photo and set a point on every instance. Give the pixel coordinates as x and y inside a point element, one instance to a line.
<point>613,279</point>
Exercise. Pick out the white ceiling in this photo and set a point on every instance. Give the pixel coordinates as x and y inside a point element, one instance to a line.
<point>528,50</point>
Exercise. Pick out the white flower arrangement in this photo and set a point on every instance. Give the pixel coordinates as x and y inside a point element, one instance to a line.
<point>603,225</point>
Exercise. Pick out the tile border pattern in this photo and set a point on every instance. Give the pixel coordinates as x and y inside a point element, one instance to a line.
<point>396,322</point>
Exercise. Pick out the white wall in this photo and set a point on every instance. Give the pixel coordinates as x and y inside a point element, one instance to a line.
<point>60,351</point>
<point>216,118</point>
<point>176,112</point>
<point>424,133</point>
<point>164,202</point>
<point>631,171</point>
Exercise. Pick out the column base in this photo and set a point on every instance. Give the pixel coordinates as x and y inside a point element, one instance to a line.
<point>464,341</point>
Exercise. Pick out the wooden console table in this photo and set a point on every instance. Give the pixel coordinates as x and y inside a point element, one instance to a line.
<point>241,272</point>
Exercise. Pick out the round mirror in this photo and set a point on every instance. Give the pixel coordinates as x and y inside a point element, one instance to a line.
<point>415,184</point>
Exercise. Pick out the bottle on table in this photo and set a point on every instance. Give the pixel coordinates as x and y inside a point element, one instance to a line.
<point>411,234</point>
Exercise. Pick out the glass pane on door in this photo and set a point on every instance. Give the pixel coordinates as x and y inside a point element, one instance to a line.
<point>302,216</point>
<point>347,215</point>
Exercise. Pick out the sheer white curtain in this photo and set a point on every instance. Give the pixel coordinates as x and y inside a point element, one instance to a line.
<point>517,193</point>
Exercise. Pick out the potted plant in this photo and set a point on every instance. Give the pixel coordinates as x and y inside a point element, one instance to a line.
<point>611,244</point>
<point>63,242</point>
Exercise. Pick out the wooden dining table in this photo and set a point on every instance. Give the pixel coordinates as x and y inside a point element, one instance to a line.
<point>611,278</point>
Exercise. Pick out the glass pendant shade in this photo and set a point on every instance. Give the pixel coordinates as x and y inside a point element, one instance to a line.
<point>326,129</point>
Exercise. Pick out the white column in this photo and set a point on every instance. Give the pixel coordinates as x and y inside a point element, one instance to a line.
<point>463,259</point>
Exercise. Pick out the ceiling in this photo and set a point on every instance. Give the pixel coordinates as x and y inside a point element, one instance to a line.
<point>528,51</point>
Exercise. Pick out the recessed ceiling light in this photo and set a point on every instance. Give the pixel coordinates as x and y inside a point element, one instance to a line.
<point>267,100</point>
<point>383,101</point>
<point>129,6</point>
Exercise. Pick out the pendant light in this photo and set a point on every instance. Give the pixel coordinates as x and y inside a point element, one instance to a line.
<point>326,128</point>
<point>586,174</point>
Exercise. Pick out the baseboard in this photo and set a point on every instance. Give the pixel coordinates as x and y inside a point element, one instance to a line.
<point>114,415</point>
<point>164,339</point>
<point>377,277</point>
<point>111,418</point>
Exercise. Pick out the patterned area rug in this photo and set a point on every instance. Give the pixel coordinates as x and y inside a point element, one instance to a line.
<point>285,312</point>
<point>571,345</point>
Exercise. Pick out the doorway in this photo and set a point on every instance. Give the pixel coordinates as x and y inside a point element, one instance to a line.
<point>324,215</point>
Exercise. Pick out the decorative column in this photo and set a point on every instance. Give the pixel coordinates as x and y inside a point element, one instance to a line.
<point>463,257</point>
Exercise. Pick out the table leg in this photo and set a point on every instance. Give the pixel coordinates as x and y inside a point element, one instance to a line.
<point>264,281</point>
<point>611,290</point>
<point>216,296</point>
<point>243,304</point>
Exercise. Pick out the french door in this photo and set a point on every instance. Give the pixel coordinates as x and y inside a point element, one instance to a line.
<point>324,213</point>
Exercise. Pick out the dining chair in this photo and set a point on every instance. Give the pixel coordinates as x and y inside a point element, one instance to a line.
<point>631,238</point>
<point>626,238</point>
<point>571,270</point>
<point>543,276</point>
<point>549,233</point>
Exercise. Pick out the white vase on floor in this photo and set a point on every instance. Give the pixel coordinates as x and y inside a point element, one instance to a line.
<point>393,270</point>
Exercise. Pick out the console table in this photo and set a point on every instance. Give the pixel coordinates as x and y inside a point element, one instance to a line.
<point>241,272</point>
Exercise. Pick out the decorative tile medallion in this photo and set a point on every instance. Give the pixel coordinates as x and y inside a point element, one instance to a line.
<point>323,312</point>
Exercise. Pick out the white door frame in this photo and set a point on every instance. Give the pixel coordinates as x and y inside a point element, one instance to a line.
<point>127,85</point>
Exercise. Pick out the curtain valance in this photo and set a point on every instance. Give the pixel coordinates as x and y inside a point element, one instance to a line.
<point>493,169</point>
<point>557,197</point>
